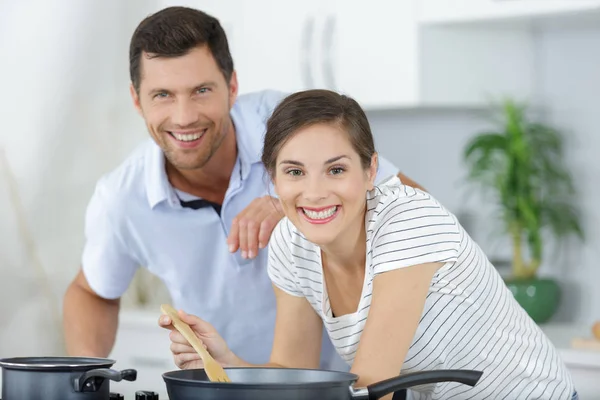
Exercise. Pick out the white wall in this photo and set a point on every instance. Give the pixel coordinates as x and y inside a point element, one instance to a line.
<point>66,118</point>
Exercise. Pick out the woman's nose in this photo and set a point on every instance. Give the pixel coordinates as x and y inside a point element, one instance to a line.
<point>315,190</point>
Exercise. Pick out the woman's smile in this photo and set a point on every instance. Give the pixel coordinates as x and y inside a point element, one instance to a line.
<point>321,215</point>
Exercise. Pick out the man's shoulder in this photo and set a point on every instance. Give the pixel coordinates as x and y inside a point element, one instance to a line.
<point>127,180</point>
<point>261,102</point>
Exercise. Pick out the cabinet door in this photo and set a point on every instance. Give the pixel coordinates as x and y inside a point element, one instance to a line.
<point>440,11</point>
<point>373,51</point>
<point>279,45</point>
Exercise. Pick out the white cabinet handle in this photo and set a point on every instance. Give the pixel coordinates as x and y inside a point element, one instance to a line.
<point>309,27</point>
<point>328,68</point>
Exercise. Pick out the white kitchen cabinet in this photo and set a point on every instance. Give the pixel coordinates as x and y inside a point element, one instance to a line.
<point>464,11</point>
<point>383,57</point>
<point>379,54</point>
<point>274,43</point>
<point>278,48</point>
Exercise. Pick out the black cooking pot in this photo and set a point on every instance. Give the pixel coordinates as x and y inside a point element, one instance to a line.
<point>59,378</point>
<point>298,384</point>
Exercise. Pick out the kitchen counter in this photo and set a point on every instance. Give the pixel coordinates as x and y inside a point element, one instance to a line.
<point>561,336</point>
<point>583,364</point>
<point>143,345</point>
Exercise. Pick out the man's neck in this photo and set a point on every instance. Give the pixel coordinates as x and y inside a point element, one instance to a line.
<point>212,180</point>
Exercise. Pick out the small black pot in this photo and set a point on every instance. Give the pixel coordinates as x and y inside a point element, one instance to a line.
<point>59,378</point>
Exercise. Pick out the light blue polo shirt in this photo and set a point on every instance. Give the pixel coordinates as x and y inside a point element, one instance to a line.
<point>134,219</point>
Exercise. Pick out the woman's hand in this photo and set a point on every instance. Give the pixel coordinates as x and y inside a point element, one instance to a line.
<point>185,356</point>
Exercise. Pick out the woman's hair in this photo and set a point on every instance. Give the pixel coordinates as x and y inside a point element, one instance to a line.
<point>310,107</point>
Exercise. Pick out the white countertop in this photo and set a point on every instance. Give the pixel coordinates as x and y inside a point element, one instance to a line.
<point>560,335</point>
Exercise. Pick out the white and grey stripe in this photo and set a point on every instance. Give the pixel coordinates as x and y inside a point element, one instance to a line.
<point>470,320</point>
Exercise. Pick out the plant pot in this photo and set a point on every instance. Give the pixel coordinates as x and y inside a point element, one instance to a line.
<point>539,297</point>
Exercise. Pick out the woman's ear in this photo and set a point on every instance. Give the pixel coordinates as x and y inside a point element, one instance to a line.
<point>373,171</point>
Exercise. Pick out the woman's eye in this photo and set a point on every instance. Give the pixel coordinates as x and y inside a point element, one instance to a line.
<point>336,170</point>
<point>294,172</point>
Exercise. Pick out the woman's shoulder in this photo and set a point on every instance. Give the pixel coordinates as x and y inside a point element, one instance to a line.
<point>391,198</point>
<point>395,209</point>
<point>392,189</point>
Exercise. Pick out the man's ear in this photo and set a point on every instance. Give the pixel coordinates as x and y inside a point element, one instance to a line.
<point>135,98</point>
<point>373,170</point>
<point>233,88</point>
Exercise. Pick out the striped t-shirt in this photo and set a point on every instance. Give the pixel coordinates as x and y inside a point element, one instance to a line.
<point>470,319</point>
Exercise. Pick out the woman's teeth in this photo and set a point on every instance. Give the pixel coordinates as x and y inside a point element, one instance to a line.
<point>320,214</point>
<point>187,137</point>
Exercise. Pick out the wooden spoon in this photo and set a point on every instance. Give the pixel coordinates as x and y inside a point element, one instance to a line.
<point>214,370</point>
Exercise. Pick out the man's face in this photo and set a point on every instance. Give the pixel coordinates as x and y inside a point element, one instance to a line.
<point>185,102</point>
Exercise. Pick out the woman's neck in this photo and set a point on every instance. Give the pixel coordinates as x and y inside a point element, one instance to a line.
<point>348,251</point>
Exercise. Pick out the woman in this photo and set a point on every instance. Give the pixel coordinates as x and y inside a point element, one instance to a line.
<point>387,270</point>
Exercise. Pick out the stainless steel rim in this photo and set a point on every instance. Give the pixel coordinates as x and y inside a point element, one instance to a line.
<point>26,362</point>
<point>348,381</point>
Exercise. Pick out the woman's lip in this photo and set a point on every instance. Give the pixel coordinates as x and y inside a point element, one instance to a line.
<point>319,221</point>
<point>319,208</point>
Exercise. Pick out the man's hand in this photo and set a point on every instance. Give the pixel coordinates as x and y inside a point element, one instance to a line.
<point>251,229</point>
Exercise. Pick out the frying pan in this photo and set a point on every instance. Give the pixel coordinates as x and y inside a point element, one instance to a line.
<point>298,384</point>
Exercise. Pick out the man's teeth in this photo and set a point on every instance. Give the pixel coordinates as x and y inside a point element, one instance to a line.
<point>187,137</point>
<point>320,214</point>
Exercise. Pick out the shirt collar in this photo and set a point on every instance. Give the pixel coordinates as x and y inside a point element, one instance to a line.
<point>247,123</point>
<point>158,188</point>
<point>249,144</point>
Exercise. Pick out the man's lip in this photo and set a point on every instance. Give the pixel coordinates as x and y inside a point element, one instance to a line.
<point>187,132</point>
<point>319,208</point>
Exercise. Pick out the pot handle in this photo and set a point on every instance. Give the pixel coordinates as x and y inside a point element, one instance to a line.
<point>380,389</point>
<point>90,380</point>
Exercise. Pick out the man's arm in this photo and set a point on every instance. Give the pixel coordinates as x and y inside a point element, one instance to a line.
<point>409,182</point>
<point>89,321</point>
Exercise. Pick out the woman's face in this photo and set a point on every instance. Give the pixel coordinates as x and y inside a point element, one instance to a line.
<point>321,183</point>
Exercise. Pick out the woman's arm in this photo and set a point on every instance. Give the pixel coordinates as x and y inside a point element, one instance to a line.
<point>396,308</point>
<point>297,341</point>
<point>298,330</point>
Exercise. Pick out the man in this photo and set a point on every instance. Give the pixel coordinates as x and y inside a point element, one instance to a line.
<point>193,204</point>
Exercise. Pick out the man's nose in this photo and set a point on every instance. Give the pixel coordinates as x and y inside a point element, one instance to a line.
<point>185,114</point>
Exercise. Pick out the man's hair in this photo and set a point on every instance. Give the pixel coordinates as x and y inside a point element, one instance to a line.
<point>173,32</point>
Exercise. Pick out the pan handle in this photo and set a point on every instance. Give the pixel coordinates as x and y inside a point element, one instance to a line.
<point>91,380</point>
<point>380,389</point>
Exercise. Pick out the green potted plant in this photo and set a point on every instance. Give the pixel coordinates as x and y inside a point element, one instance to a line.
<point>521,164</point>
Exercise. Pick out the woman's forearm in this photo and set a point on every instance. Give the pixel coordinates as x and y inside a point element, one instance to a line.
<point>238,362</point>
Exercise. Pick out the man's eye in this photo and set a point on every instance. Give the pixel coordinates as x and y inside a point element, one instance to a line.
<point>161,95</point>
<point>203,90</point>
